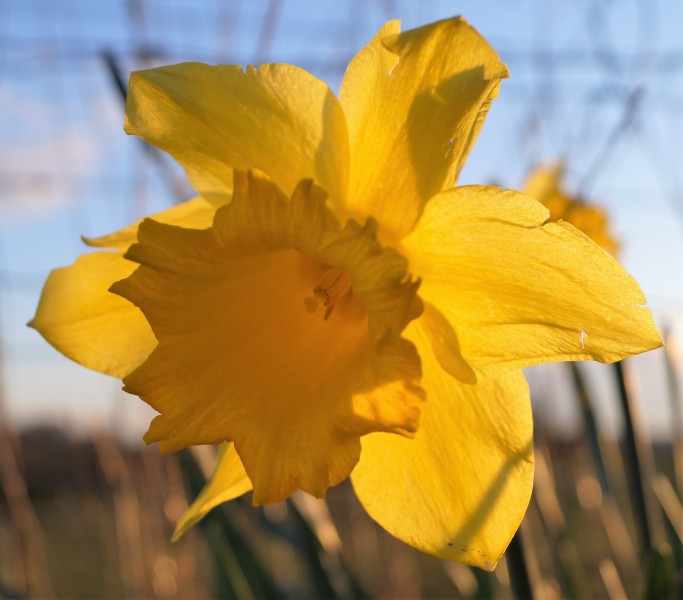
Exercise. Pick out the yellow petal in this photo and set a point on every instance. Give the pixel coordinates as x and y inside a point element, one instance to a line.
<point>414,104</point>
<point>276,118</point>
<point>459,489</point>
<point>83,320</point>
<point>80,317</point>
<point>246,354</point>
<point>228,481</point>
<point>513,292</point>
<point>195,214</point>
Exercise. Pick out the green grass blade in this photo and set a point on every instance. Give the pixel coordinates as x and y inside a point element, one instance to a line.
<point>515,558</point>
<point>634,449</point>
<point>259,580</point>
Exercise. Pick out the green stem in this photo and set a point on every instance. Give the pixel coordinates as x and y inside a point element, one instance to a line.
<point>240,550</point>
<point>634,470</point>
<point>517,568</point>
<point>591,428</point>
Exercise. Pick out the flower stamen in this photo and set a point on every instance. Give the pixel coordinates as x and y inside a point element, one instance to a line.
<point>334,285</point>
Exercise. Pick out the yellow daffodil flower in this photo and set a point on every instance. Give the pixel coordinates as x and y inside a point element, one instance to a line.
<point>329,305</point>
<point>544,184</point>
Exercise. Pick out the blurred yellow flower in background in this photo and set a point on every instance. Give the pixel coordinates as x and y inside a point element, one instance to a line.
<point>545,184</point>
<point>329,305</point>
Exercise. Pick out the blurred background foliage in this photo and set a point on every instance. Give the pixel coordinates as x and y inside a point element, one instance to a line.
<point>86,511</point>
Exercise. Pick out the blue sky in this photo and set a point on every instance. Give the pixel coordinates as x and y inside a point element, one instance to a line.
<point>596,83</point>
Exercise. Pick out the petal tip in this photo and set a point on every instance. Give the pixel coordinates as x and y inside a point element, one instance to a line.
<point>90,241</point>
<point>181,528</point>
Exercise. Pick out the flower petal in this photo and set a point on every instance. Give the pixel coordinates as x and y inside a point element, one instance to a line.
<point>195,214</point>
<point>459,489</point>
<point>276,118</point>
<point>83,320</point>
<point>228,481</point>
<point>242,356</point>
<point>80,317</point>
<point>509,291</point>
<point>414,104</point>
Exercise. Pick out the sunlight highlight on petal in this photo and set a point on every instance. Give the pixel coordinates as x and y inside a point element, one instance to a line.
<point>519,292</point>
<point>414,104</point>
<point>460,488</point>
<point>276,118</point>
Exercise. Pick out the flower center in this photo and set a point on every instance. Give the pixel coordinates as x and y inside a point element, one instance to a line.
<point>240,359</point>
<point>333,286</point>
